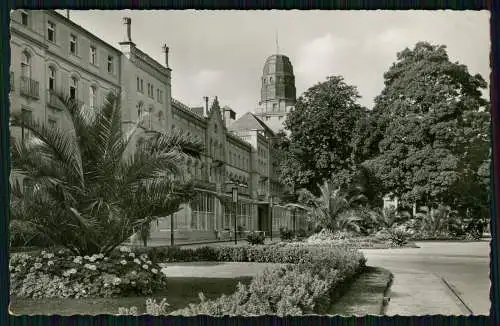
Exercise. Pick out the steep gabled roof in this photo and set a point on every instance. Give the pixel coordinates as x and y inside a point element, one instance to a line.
<point>249,121</point>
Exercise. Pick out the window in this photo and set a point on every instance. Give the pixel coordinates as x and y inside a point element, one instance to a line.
<point>73,41</point>
<point>275,106</point>
<point>24,18</point>
<point>52,78</point>
<point>93,55</point>
<point>110,64</point>
<point>158,95</point>
<point>161,97</point>
<point>138,85</point>
<point>26,65</point>
<point>73,88</point>
<point>142,87</point>
<point>93,97</point>
<point>51,31</point>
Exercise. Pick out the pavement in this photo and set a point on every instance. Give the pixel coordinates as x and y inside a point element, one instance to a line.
<point>450,278</point>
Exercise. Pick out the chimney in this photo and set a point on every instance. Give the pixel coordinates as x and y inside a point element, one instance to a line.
<point>165,49</point>
<point>67,13</point>
<point>128,22</point>
<point>229,116</point>
<point>206,104</point>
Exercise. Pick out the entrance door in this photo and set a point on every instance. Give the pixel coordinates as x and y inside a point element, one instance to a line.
<point>262,219</point>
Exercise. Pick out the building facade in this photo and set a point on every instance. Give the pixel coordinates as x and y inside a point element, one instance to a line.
<point>50,53</point>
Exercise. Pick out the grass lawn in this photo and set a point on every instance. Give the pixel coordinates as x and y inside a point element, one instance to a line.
<point>179,293</point>
<point>366,294</point>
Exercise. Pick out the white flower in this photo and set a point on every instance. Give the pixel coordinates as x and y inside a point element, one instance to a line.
<point>133,282</point>
<point>51,255</point>
<point>145,266</point>
<point>149,262</point>
<point>50,263</point>
<point>134,273</point>
<point>163,270</point>
<point>106,285</point>
<point>92,259</point>
<point>77,260</point>
<point>38,265</point>
<point>154,270</point>
<point>131,255</point>
<point>124,249</point>
<point>123,262</point>
<point>100,256</point>
<point>106,258</point>
<point>86,257</point>
<point>117,281</point>
<point>60,252</point>
<point>90,266</point>
<point>137,261</point>
<point>72,271</point>
<point>43,252</point>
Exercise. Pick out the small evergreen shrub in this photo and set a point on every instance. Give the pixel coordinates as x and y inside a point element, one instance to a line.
<point>255,238</point>
<point>286,234</point>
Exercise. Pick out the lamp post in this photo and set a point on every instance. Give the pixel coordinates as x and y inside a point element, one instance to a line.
<point>234,189</point>
<point>171,230</point>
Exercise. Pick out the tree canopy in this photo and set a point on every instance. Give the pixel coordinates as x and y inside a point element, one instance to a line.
<point>322,128</point>
<point>429,129</point>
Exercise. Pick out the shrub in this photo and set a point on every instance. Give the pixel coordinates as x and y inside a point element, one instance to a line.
<point>301,233</point>
<point>399,236</point>
<point>255,238</point>
<point>152,308</point>
<point>286,234</point>
<point>63,275</point>
<point>307,286</point>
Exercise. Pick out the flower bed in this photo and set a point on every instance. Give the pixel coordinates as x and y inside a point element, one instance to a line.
<point>63,275</point>
<point>314,278</point>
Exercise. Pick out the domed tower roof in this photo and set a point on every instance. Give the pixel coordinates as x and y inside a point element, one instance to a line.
<point>278,63</point>
<point>278,80</point>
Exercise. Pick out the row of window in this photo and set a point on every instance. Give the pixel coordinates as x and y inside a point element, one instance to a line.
<point>151,90</point>
<point>52,80</point>
<point>73,43</point>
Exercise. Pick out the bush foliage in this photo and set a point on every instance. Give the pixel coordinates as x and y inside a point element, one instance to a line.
<point>63,275</point>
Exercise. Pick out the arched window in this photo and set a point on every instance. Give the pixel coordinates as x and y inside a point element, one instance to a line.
<point>93,96</point>
<point>52,78</point>
<point>26,65</point>
<point>73,88</point>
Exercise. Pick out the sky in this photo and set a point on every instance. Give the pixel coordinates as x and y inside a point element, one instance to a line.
<point>222,53</point>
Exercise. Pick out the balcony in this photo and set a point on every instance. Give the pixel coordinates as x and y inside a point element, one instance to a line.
<point>53,101</point>
<point>30,87</point>
<point>242,189</point>
<point>204,184</point>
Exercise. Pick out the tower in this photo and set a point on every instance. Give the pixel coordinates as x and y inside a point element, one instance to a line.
<point>278,94</point>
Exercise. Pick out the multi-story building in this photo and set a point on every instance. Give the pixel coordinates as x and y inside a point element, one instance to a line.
<point>51,53</point>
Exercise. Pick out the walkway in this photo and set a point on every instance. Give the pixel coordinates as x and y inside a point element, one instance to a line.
<point>438,278</point>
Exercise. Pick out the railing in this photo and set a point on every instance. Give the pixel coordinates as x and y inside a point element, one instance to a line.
<point>53,101</point>
<point>242,189</point>
<point>205,185</point>
<point>30,87</point>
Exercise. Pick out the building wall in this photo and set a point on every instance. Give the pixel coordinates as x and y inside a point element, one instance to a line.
<point>243,157</point>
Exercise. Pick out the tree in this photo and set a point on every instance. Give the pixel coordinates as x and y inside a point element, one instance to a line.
<point>322,134</point>
<point>332,209</point>
<point>429,126</point>
<point>90,188</point>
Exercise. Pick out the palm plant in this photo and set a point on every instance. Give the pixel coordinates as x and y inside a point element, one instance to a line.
<point>438,220</point>
<point>92,186</point>
<point>332,208</point>
<point>389,217</point>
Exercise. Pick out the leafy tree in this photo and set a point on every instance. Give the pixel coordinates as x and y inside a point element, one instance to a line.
<point>430,128</point>
<point>322,134</point>
<point>90,187</point>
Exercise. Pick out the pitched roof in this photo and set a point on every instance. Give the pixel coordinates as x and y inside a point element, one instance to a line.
<point>249,121</point>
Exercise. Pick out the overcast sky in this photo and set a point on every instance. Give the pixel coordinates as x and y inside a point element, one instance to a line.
<point>223,52</point>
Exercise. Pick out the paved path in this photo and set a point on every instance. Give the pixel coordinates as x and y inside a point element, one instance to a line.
<point>437,278</point>
<point>215,269</point>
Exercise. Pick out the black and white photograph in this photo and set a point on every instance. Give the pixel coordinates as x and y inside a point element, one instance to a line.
<point>249,163</point>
